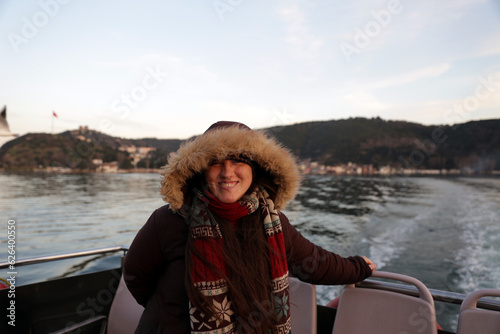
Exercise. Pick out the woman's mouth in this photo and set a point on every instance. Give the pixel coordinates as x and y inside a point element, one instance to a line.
<point>228,184</point>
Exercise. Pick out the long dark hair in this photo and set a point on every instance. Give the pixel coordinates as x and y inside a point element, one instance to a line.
<point>246,254</point>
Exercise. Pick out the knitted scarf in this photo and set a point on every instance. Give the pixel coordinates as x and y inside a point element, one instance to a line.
<point>207,240</point>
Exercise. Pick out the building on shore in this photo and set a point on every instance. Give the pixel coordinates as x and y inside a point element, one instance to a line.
<point>314,168</point>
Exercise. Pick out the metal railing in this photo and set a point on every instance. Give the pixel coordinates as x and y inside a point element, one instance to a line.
<point>438,295</point>
<point>63,256</point>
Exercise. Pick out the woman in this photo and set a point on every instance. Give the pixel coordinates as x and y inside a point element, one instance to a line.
<point>217,258</point>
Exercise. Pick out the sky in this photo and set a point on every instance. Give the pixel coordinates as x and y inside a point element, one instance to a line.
<point>168,69</point>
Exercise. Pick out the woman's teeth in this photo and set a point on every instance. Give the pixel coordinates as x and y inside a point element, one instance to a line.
<point>228,185</point>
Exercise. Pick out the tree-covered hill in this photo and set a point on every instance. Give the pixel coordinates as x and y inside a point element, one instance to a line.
<point>40,150</point>
<point>473,146</point>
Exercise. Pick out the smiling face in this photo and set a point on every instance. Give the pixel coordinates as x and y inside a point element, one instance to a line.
<point>228,180</point>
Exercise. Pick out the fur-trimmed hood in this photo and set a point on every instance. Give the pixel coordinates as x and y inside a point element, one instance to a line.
<point>194,157</point>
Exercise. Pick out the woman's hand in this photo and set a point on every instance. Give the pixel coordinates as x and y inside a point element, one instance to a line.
<point>370,263</point>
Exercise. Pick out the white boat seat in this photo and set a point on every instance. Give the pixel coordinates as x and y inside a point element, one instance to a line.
<point>374,311</point>
<point>303,310</point>
<point>473,320</point>
<point>125,312</point>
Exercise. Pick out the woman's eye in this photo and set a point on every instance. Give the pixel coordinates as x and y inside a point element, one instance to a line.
<point>237,162</point>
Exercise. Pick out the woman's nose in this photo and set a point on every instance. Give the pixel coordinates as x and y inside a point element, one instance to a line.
<point>227,168</point>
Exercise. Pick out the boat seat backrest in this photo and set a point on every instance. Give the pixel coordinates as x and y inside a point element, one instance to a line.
<point>125,312</point>
<point>303,304</point>
<point>473,320</point>
<point>374,311</point>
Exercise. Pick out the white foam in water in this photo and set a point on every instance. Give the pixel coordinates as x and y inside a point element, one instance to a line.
<point>479,257</point>
<point>316,201</point>
<point>382,250</point>
<point>392,231</point>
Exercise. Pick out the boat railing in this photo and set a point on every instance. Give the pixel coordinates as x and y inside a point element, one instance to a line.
<point>438,295</point>
<point>63,256</point>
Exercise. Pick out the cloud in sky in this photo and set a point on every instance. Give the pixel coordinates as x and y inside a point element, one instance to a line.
<point>265,63</point>
<point>412,76</point>
<point>488,45</point>
<point>304,43</point>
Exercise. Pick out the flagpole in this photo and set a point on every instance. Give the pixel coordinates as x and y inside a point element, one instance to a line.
<point>53,115</point>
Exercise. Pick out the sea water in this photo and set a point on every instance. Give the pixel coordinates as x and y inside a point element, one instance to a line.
<point>443,231</point>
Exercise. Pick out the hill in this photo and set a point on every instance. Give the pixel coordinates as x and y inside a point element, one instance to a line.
<point>472,146</point>
<point>81,149</point>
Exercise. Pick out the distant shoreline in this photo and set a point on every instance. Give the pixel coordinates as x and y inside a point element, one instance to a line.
<point>403,172</point>
<point>60,170</point>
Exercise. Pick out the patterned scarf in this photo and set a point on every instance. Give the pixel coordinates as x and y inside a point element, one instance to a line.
<point>207,240</point>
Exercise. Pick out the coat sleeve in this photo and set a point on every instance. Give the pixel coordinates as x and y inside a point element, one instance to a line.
<point>150,252</point>
<point>313,264</point>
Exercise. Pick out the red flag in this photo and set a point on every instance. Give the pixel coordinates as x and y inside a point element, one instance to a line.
<point>54,114</point>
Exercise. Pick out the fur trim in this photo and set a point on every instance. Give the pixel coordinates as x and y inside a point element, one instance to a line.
<point>193,157</point>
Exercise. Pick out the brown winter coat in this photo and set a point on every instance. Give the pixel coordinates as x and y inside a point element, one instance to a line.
<point>155,265</point>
